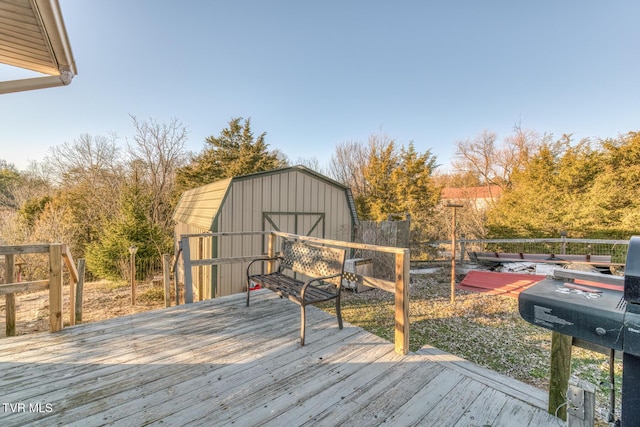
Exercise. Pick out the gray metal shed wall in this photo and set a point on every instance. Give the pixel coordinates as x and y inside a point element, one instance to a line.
<point>290,191</point>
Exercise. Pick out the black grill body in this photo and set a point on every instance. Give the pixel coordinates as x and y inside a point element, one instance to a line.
<point>609,318</point>
<point>594,317</point>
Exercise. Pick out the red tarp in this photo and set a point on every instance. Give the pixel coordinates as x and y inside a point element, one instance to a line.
<point>510,284</point>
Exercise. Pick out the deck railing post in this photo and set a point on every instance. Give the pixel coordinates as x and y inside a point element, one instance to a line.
<point>560,373</point>
<point>200,270</point>
<point>166,279</point>
<point>55,287</point>
<point>402,302</point>
<point>79,289</point>
<point>73,281</point>
<point>271,251</point>
<point>188,276</point>
<point>10,299</point>
<point>176,281</point>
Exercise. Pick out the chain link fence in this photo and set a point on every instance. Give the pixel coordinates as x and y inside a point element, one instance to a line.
<point>616,249</point>
<point>32,307</point>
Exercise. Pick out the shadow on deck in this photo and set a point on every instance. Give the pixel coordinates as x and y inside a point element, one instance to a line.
<point>218,362</point>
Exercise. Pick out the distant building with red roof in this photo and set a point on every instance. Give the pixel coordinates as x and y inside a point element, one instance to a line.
<point>480,197</point>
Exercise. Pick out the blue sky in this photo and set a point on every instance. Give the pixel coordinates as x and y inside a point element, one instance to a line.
<point>316,74</point>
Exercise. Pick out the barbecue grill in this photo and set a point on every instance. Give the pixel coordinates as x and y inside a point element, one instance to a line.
<point>605,317</point>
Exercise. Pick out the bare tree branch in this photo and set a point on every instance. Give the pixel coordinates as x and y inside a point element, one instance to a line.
<point>156,152</point>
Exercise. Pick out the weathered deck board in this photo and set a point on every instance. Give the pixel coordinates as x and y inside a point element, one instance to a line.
<point>487,406</point>
<point>494,380</point>
<point>218,362</point>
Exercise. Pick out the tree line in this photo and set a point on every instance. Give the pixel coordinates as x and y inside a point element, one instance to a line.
<point>586,189</point>
<point>101,196</point>
<point>589,188</point>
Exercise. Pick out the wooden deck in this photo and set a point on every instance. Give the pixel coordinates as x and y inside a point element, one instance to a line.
<point>219,363</point>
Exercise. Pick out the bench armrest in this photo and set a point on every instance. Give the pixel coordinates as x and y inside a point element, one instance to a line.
<point>317,279</point>
<point>262,259</point>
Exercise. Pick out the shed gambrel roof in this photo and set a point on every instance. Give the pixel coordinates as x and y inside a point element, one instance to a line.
<point>199,206</point>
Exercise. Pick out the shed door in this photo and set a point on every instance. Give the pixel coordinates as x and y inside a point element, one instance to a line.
<point>302,223</point>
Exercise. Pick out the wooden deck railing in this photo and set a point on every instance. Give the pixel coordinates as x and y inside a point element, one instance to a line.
<point>58,253</point>
<point>399,287</point>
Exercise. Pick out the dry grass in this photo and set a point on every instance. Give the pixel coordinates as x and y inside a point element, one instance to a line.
<point>484,329</point>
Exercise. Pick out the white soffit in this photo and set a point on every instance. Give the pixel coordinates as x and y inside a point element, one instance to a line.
<point>33,37</point>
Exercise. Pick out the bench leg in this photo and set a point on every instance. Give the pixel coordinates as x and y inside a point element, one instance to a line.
<point>302,324</point>
<point>338,313</point>
<point>248,290</point>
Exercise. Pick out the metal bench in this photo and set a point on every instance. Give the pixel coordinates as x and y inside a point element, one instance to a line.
<point>322,270</point>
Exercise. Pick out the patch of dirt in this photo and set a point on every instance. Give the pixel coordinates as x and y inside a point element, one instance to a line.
<point>101,300</point>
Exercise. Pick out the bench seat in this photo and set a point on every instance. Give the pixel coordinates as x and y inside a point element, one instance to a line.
<point>291,288</point>
<point>322,269</point>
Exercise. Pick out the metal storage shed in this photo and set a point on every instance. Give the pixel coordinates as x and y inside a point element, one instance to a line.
<point>293,200</point>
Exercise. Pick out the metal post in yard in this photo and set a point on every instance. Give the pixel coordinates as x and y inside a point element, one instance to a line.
<point>453,251</point>
<point>132,250</point>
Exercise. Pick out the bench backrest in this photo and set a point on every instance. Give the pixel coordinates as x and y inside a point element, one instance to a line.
<point>313,261</point>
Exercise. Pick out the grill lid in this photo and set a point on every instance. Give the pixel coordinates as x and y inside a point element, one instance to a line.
<point>632,272</point>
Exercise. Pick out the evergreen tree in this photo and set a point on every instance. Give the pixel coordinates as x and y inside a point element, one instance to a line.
<point>107,256</point>
<point>583,189</point>
<point>381,197</point>
<point>529,207</point>
<point>386,181</point>
<point>234,152</point>
<point>413,179</point>
<point>614,196</point>
<point>415,190</point>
